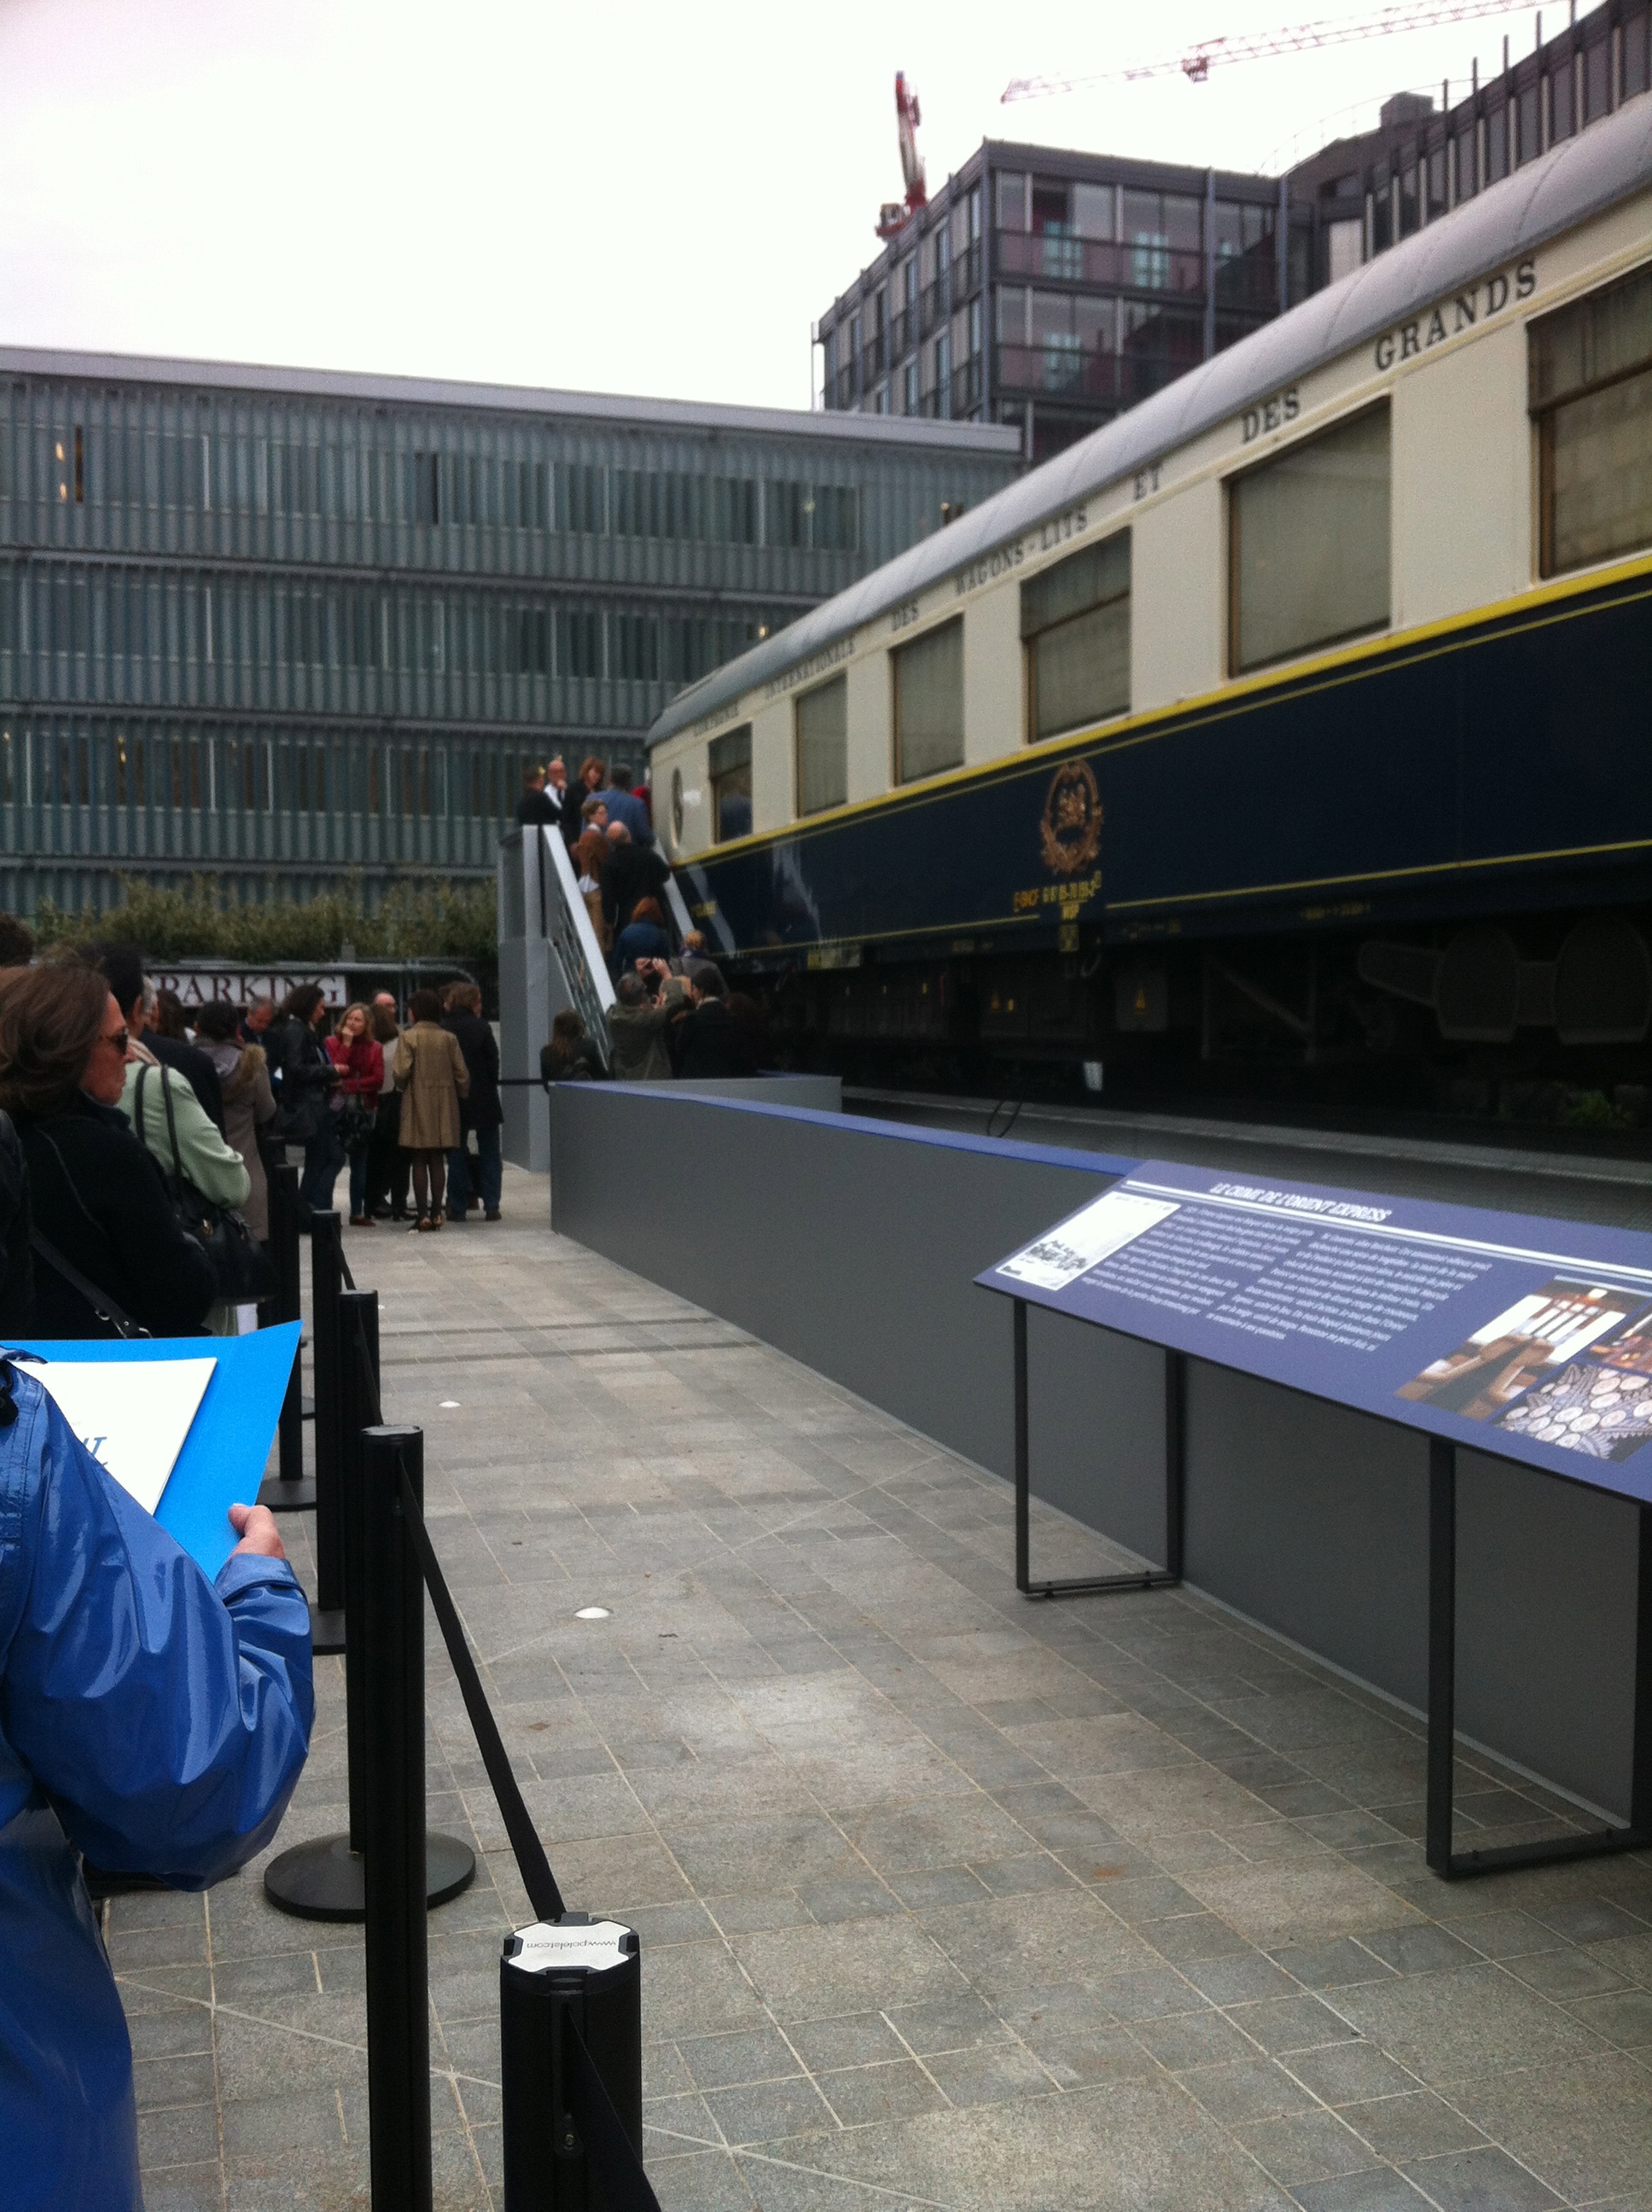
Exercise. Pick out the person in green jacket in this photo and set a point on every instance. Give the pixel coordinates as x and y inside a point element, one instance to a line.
<point>204,1158</point>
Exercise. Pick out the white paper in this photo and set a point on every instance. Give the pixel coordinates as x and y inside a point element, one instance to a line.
<point>548,1945</point>
<point>132,1415</point>
<point>1073,1248</point>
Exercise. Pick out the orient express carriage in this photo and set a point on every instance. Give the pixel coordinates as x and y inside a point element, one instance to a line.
<point>1297,722</point>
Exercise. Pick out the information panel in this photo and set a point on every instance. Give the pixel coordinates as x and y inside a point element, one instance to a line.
<point>1529,1339</point>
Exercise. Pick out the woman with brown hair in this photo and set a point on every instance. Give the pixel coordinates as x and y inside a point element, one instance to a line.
<point>249,1103</point>
<point>432,1076</point>
<point>643,937</point>
<point>108,1250</point>
<point>360,1059</point>
<point>303,1076</point>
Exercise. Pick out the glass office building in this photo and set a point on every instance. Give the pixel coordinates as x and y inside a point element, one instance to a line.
<point>273,625</point>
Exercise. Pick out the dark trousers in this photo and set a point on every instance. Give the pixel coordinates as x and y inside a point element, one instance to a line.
<point>387,1163</point>
<point>487,1169</point>
<point>323,1157</point>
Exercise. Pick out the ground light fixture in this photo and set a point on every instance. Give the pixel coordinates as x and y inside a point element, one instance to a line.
<point>592,1613</point>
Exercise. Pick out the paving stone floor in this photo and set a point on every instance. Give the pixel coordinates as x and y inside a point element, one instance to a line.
<point>947,1899</point>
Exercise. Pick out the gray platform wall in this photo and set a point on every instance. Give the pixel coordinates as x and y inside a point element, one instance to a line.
<point>852,1245</point>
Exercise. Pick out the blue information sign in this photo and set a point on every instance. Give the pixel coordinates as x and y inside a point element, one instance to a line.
<point>1528,1339</point>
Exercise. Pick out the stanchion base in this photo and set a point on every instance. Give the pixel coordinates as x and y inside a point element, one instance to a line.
<point>323,1880</point>
<point>288,1496</point>
<point>326,1630</point>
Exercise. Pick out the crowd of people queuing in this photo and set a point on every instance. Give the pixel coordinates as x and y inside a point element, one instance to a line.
<point>136,1137</point>
<point>674,1014</point>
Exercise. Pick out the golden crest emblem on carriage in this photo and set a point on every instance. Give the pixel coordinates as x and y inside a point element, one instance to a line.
<point>1070,834</point>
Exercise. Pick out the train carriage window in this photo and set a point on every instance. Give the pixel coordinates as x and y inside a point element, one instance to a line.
<point>929,702</point>
<point>730,775</point>
<point>823,746</point>
<point>1590,368</point>
<point>1075,625</point>
<point>1308,560</point>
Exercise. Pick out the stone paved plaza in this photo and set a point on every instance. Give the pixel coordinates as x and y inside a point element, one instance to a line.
<point>947,1899</point>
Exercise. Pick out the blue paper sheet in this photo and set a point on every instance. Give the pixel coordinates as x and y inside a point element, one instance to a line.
<point>224,1455</point>
<point>1527,1338</point>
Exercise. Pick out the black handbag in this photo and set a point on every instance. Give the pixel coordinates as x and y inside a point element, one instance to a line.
<point>240,1265</point>
<point>355,1125</point>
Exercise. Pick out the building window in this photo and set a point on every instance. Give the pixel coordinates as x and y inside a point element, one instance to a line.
<point>1590,370</point>
<point>1075,626</point>
<point>823,746</point>
<point>910,375</point>
<point>1309,545</point>
<point>1011,199</point>
<point>730,775</point>
<point>1635,54</point>
<point>1466,181</point>
<point>1496,142</point>
<point>929,702</point>
<point>1560,102</point>
<point>1344,249</point>
<point>835,508</point>
<point>1527,146</point>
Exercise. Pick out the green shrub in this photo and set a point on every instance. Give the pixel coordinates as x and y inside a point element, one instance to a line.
<point>428,917</point>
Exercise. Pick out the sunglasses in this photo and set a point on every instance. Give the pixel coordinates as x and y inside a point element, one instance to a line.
<point>120,1038</point>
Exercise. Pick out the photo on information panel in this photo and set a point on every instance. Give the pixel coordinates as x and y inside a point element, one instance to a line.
<point>1525,1346</point>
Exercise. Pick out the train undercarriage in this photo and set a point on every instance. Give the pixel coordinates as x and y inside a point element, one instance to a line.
<point>1540,1019</point>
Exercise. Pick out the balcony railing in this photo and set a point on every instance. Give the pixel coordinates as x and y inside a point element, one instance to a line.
<point>1105,379</point>
<point>966,389</point>
<point>903,332</point>
<point>1144,267</point>
<point>934,305</point>
<point>874,356</point>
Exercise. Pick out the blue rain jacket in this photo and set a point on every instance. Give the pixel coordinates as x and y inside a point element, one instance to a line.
<point>161,1723</point>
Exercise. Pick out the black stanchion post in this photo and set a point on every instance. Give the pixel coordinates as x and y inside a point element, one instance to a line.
<point>358,1320</point>
<point>326,1284</point>
<point>1022,1472</point>
<point>287,1492</point>
<point>1442,1651</point>
<point>570,2006</point>
<point>398,1962</point>
<point>322,1880</point>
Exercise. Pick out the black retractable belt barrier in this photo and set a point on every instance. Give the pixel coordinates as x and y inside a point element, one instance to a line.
<point>398,1957</point>
<point>322,1880</point>
<point>570,1994</point>
<point>288,1491</point>
<point>327,1274</point>
<point>570,2033</point>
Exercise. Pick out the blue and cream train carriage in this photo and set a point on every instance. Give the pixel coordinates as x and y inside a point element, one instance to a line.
<point>1300,715</point>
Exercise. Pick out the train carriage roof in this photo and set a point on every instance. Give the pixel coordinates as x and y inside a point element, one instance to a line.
<point>1574,180</point>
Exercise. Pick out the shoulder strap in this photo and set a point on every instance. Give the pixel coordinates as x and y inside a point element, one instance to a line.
<point>172,1125</point>
<point>99,1299</point>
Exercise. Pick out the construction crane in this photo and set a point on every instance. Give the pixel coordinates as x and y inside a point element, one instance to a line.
<point>893,215</point>
<point>1198,61</point>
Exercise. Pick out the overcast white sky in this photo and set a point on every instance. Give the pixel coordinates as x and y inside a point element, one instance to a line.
<point>641,198</point>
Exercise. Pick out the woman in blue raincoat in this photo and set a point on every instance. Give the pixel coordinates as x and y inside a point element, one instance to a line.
<point>153,1721</point>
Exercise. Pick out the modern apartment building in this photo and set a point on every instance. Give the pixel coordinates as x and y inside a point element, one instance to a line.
<point>273,624</point>
<point>1052,290</point>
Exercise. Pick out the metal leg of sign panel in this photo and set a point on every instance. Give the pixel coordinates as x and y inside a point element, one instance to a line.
<point>1163,1577</point>
<point>1452,1865</point>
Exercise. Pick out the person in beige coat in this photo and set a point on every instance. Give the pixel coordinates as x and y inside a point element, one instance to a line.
<point>432,1076</point>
